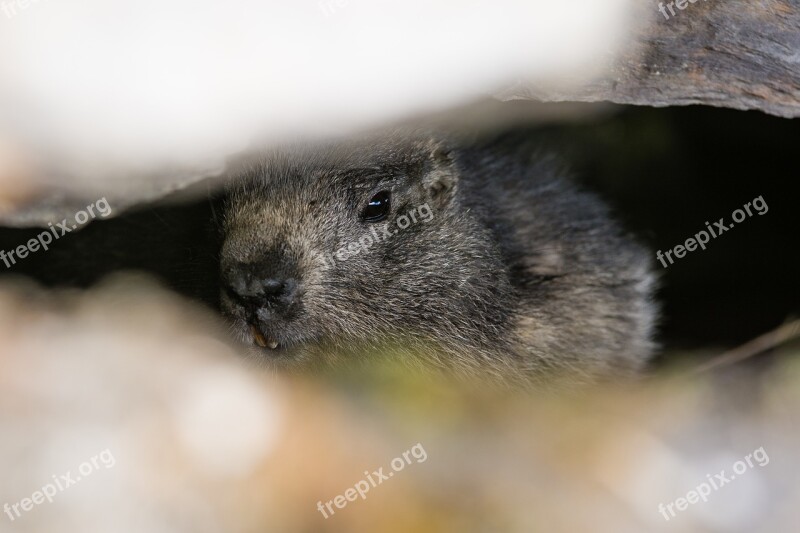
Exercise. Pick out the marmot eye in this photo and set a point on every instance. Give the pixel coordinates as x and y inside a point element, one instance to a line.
<point>377,208</point>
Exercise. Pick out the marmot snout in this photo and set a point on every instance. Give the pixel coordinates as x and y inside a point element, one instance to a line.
<point>479,258</point>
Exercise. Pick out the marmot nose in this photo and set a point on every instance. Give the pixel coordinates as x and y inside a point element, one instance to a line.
<point>253,290</point>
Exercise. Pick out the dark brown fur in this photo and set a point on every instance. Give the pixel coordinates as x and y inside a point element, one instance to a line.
<point>515,273</point>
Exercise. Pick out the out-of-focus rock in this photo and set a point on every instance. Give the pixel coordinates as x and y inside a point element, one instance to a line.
<point>120,103</point>
<point>160,426</point>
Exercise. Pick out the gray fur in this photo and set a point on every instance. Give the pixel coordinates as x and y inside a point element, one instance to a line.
<point>517,273</point>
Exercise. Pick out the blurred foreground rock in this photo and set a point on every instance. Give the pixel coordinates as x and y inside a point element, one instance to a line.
<point>148,128</point>
<point>187,437</point>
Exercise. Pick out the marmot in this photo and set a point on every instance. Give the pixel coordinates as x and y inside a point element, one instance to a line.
<point>478,256</point>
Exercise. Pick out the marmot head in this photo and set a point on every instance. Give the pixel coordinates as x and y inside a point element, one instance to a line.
<point>359,243</point>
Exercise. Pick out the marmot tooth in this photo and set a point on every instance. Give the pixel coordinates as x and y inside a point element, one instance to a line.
<point>259,337</point>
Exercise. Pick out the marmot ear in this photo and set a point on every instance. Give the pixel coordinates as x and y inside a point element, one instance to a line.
<point>440,176</point>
